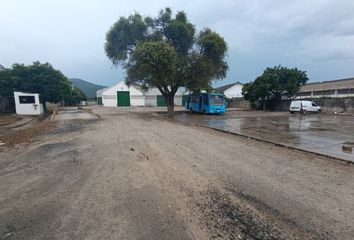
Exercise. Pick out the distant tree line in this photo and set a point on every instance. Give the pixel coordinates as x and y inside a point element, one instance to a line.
<point>52,85</point>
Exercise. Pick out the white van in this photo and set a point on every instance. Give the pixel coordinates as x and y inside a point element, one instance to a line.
<point>304,106</point>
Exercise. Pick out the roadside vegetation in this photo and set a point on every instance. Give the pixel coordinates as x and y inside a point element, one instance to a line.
<point>166,52</point>
<point>52,85</point>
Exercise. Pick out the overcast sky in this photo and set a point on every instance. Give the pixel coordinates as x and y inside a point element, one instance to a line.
<point>314,35</point>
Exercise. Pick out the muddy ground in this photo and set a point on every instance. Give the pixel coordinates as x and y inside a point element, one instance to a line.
<point>133,175</point>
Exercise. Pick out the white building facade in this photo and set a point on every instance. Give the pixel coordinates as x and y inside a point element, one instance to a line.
<point>233,90</point>
<point>123,96</point>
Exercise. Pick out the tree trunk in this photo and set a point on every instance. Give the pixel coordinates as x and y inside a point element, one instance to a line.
<point>44,106</point>
<point>264,105</point>
<point>170,102</point>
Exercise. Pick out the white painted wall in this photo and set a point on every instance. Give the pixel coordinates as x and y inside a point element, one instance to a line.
<point>137,97</point>
<point>109,100</point>
<point>35,108</point>
<point>178,100</point>
<point>137,100</point>
<point>99,92</point>
<point>109,96</point>
<point>150,101</point>
<point>234,92</point>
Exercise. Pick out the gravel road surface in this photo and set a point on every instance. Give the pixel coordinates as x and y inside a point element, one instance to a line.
<point>132,175</point>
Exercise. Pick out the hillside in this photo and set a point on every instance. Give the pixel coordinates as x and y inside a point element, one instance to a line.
<point>88,88</point>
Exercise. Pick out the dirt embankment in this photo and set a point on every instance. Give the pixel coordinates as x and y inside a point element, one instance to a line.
<point>133,176</point>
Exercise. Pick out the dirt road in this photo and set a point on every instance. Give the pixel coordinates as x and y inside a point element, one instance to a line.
<point>131,175</point>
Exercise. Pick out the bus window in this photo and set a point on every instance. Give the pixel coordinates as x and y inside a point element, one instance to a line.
<point>216,100</point>
<point>205,100</point>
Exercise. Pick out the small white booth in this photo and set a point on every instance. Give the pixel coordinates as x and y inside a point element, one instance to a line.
<point>28,104</point>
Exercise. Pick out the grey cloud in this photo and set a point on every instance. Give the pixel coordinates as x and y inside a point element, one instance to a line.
<point>312,35</point>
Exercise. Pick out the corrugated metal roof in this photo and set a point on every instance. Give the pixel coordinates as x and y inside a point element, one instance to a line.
<point>327,85</point>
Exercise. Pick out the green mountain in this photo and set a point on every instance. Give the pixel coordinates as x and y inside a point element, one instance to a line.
<point>88,88</point>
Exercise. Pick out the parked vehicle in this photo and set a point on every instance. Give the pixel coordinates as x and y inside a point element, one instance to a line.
<point>206,103</point>
<point>304,106</point>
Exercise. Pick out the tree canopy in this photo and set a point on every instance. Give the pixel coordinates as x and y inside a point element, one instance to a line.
<point>75,97</point>
<point>274,84</point>
<point>166,52</point>
<point>51,84</point>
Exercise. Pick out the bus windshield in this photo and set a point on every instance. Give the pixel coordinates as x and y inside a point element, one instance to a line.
<point>216,100</point>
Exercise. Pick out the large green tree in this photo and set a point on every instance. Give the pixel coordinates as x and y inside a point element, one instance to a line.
<point>51,84</point>
<point>274,84</point>
<point>166,52</point>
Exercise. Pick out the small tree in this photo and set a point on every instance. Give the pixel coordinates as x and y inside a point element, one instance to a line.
<point>165,53</point>
<point>274,84</point>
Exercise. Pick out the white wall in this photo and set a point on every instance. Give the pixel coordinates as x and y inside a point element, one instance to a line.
<point>35,108</point>
<point>109,96</point>
<point>178,100</point>
<point>137,97</point>
<point>234,92</point>
<point>109,100</point>
<point>150,101</point>
<point>99,92</point>
<point>136,100</point>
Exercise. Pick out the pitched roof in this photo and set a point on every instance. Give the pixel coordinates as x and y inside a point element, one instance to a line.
<point>225,87</point>
<point>2,67</point>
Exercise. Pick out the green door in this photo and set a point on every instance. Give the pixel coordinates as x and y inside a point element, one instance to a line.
<point>123,99</point>
<point>160,101</point>
<point>99,101</point>
<point>184,100</point>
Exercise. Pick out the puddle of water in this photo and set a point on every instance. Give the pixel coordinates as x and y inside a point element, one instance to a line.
<point>323,134</point>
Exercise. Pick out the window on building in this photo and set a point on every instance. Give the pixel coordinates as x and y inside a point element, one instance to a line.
<point>27,99</point>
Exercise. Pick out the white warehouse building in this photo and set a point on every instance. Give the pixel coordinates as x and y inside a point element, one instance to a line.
<point>233,90</point>
<point>123,96</point>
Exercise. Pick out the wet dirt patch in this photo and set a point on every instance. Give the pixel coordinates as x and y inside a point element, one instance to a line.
<point>6,119</point>
<point>45,150</point>
<point>12,138</point>
<point>229,220</point>
<point>72,126</point>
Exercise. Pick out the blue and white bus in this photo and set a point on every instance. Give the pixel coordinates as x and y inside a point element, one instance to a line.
<point>206,103</point>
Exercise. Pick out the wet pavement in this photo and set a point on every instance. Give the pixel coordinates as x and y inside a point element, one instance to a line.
<point>320,133</point>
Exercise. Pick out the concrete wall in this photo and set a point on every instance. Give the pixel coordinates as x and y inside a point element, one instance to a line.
<point>178,100</point>
<point>326,104</point>
<point>137,101</point>
<point>109,100</point>
<point>239,104</point>
<point>150,101</point>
